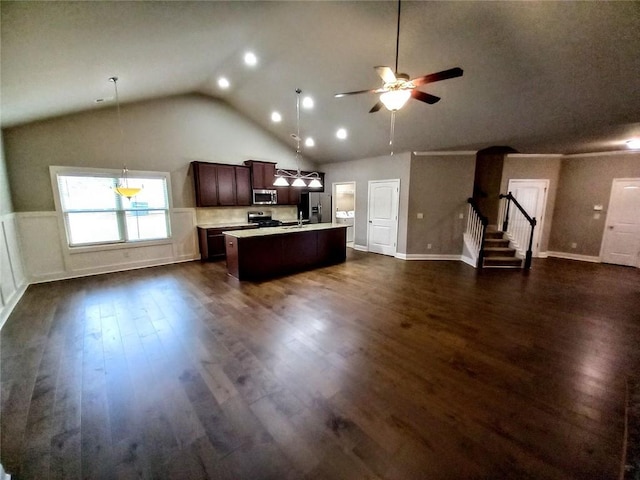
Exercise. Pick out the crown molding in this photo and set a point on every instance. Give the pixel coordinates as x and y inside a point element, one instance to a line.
<point>445,153</point>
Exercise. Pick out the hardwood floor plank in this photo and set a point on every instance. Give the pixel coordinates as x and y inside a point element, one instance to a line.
<point>375,368</point>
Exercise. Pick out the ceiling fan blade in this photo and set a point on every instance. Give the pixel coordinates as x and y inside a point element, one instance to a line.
<point>436,77</point>
<point>386,74</point>
<point>338,95</point>
<point>425,97</point>
<point>376,107</point>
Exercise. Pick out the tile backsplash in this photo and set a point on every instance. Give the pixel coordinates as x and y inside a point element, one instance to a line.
<point>229,215</point>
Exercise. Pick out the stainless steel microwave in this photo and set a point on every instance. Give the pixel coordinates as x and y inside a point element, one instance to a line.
<point>265,197</point>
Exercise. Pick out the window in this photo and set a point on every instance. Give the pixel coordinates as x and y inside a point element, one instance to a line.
<point>95,214</point>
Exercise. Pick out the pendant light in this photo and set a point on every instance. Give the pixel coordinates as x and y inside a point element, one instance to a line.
<point>123,187</point>
<point>297,179</point>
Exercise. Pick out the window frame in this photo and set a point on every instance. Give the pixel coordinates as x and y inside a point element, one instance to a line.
<point>121,213</point>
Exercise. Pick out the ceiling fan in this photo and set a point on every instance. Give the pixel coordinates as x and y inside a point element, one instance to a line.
<point>398,88</point>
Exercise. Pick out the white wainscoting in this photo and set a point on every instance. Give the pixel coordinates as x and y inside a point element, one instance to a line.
<point>47,256</point>
<point>12,277</point>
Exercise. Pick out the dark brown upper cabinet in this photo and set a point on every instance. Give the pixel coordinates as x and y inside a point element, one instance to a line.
<point>221,185</point>
<point>262,174</point>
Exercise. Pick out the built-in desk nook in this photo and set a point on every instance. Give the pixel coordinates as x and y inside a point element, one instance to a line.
<point>270,252</point>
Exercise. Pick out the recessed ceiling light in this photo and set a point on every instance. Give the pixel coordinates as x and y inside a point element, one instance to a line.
<point>634,143</point>
<point>341,133</point>
<point>307,102</point>
<point>223,83</point>
<point>309,142</point>
<point>276,117</point>
<point>250,59</point>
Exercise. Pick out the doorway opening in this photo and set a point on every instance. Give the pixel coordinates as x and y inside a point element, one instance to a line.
<point>344,212</point>
<point>532,195</point>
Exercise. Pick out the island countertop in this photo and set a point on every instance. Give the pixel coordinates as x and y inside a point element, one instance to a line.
<point>261,232</point>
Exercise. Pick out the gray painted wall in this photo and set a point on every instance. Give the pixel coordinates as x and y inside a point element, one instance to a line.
<point>5,193</point>
<point>362,171</point>
<point>439,189</point>
<point>533,167</point>
<point>586,181</point>
<point>159,135</point>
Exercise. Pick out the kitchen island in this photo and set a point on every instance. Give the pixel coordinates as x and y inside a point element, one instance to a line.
<point>275,251</point>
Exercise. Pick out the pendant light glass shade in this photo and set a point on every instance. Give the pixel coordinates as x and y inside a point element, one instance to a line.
<point>315,183</point>
<point>281,182</point>
<point>123,187</point>
<point>298,182</point>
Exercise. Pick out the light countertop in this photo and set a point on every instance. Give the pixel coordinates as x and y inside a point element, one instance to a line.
<point>260,232</point>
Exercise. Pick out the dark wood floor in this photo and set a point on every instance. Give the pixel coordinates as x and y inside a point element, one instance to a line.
<point>373,369</point>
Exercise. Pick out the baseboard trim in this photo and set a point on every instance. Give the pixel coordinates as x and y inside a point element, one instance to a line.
<point>469,261</point>
<point>54,277</point>
<point>574,256</point>
<point>6,311</point>
<point>360,248</point>
<point>422,256</point>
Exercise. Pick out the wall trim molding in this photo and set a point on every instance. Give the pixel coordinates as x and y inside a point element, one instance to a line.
<point>603,154</point>
<point>360,248</point>
<point>430,256</point>
<point>531,155</point>
<point>445,153</point>
<point>574,256</point>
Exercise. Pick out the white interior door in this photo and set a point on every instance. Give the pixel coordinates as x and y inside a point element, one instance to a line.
<point>532,196</point>
<point>382,233</point>
<point>621,239</point>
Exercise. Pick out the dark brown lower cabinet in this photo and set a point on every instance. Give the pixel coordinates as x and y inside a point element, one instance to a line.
<point>263,256</point>
<point>211,241</point>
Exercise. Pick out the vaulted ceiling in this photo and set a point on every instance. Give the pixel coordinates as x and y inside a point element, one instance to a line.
<point>542,77</point>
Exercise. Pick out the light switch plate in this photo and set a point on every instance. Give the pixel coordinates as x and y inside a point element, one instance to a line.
<point>420,215</point>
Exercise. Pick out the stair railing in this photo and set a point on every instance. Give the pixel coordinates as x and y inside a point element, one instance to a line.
<point>518,225</point>
<point>476,229</point>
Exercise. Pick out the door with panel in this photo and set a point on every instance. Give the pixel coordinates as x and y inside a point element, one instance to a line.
<point>621,239</point>
<point>382,234</point>
<point>532,196</point>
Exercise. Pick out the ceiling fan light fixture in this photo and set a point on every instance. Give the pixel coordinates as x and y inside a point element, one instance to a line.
<point>394,100</point>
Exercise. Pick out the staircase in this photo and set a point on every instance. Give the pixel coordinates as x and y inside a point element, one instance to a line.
<point>496,251</point>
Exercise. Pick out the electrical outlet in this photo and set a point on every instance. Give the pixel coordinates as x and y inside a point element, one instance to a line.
<point>574,245</point>
<point>596,216</point>
<point>428,246</point>
<point>420,215</point>
<point>461,216</point>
